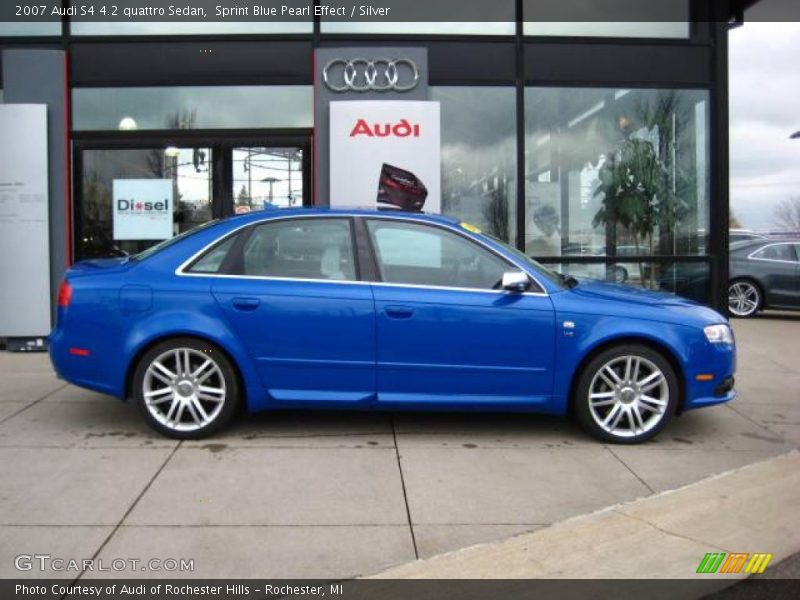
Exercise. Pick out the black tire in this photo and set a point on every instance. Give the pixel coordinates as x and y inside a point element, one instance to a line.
<point>744,288</point>
<point>629,397</point>
<point>191,425</point>
<point>620,274</point>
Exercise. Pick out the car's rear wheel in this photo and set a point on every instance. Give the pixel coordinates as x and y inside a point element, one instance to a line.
<point>626,394</point>
<point>744,298</point>
<point>186,388</point>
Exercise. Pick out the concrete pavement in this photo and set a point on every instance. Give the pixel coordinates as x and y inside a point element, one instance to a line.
<point>751,509</point>
<point>312,494</point>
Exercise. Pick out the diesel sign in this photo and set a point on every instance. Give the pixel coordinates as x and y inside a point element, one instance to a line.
<point>133,205</point>
<point>142,209</point>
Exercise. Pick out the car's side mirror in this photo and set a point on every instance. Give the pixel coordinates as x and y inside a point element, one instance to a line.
<point>516,281</point>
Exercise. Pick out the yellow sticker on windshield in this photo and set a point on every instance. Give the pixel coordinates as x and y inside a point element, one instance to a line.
<point>470,228</point>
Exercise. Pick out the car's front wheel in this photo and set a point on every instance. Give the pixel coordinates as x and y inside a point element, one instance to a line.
<point>185,388</point>
<point>744,298</point>
<point>626,394</point>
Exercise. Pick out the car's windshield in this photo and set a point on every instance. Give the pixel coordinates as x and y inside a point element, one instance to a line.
<point>540,269</point>
<point>167,243</point>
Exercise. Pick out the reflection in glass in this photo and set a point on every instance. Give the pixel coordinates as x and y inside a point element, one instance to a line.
<point>625,29</point>
<point>607,18</point>
<point>188,170</point>
<point>616,173</point>
<point>189,28</point>
<point>267,177</point>
<point>687,279</point>
<point>419,27</point>
<point>192,107</point>
<point>30,28</point>
<point>479,157</point>
<point>475,17</point>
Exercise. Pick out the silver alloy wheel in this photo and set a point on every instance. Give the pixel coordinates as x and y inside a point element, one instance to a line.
<point>628,396</point>
<point>184,389</point>
<point>743,298</point>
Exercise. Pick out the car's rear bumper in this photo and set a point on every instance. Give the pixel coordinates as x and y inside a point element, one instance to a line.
<point>77,368</point>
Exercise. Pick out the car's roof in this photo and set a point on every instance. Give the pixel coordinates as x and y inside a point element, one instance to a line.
<point>345,212</point>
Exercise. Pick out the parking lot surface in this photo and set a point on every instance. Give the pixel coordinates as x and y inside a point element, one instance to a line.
<point>336,495</point>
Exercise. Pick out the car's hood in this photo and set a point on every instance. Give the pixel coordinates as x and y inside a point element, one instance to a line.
<point>98,265</point>
<point>627,293</point>
<point>627,301</point>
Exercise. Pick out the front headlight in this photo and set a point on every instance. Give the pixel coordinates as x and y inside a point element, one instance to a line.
<point>719,334</point>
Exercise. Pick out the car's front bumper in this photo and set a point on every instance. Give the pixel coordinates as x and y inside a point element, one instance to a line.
<point>710,375</point>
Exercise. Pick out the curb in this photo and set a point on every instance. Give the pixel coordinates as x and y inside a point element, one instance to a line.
<point>751,509</point>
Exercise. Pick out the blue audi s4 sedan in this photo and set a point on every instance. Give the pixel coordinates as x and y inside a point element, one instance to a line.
<point>318,308</point>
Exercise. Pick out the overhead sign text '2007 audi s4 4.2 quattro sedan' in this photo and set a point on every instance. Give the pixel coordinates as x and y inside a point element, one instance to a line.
<point>319,308</point>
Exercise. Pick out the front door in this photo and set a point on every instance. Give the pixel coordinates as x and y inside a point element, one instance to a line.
<point>445,333</point>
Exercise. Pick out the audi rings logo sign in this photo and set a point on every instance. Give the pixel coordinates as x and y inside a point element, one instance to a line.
<point>378,75</point>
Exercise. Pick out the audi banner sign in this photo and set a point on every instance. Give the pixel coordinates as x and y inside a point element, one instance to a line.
<point>386,154</point>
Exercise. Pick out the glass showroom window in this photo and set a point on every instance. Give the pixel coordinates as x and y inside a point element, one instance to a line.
<point>475,17</point>
<point>30,28</point>
<point>620,173</point>
<point>620,18</point>
<point>193,107</point>
<point>479,157</point>
<point>111,223</point>
<point>249,23</point>
<point>190,28</point>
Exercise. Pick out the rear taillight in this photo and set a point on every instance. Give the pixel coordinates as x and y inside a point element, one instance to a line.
<point>64,294</point>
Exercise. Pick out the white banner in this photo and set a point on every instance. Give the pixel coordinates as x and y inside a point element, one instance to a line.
<point>142,209</point>
<point>24,222</point>
<point>386,154</point>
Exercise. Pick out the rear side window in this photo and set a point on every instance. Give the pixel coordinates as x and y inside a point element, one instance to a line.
<point>299,249</point>
<point>211,261</point>
<point>783,252</point>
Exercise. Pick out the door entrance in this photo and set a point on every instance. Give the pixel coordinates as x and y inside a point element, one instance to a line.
<point>265,177</point>
<point>132,192</point>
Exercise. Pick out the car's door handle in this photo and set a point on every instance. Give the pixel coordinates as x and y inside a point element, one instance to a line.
<point>398,312</point>
<point>246,303</point>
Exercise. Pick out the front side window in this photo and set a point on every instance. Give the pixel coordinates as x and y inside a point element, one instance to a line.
<point>415,254</point>
<point>299,249</point>
<point>783,252</point>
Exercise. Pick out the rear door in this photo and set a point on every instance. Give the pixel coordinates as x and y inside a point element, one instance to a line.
<point>292,294</point>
